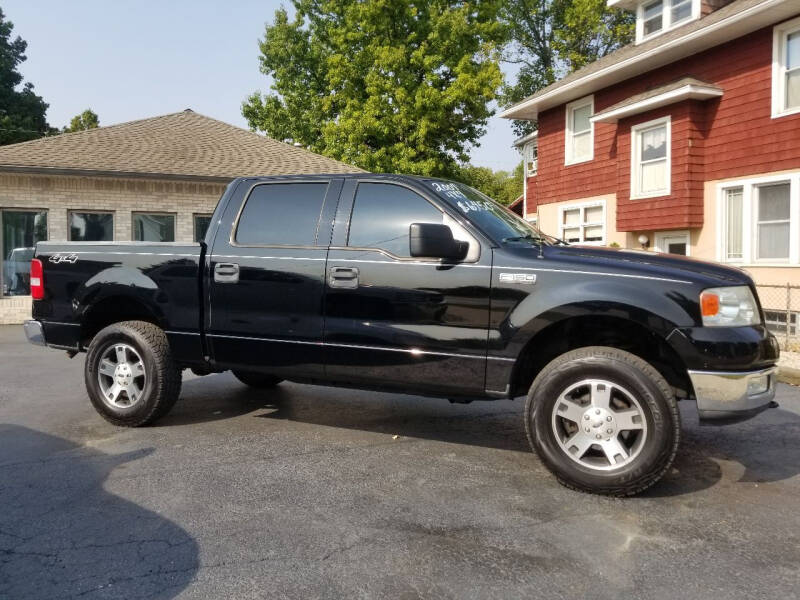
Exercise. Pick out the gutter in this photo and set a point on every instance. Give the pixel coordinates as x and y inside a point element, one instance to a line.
<point>116,174</point>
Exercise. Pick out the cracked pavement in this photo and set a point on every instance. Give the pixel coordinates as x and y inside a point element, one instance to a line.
<point>305,492</point>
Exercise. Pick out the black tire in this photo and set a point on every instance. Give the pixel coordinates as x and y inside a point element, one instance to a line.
<point>257,380</point>
<point>162,382</point>
<point>658,407</point>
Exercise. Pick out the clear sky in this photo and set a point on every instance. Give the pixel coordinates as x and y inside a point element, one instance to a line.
<point>128,60</point>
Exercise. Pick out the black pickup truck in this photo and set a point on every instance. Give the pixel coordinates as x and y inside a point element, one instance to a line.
<point>420,286</point>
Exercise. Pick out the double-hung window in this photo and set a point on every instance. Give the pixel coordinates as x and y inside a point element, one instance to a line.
<point>773,222</point>
<point>759,221</point>
<point>583,223</point>
<point>579,146</point>
<point>659,16</point>
<point>650,159</point>
<point>786,69</point>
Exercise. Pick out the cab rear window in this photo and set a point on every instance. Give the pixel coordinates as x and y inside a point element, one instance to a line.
<point>281,214</point>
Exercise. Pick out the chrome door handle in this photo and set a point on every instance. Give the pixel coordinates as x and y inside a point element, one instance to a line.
<point>226,273</point>
<point>343,277</point>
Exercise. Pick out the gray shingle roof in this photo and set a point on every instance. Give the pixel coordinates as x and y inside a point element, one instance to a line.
<point>178,144</point>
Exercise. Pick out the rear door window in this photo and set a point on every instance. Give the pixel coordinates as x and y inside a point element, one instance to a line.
<point>281,214</point>
<point>382,214</point>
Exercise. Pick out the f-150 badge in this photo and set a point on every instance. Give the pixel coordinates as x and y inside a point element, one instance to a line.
<point>524,278</point>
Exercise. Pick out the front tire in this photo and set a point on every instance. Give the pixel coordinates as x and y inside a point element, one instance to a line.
<point>603,421</point>
<point>130,374</point>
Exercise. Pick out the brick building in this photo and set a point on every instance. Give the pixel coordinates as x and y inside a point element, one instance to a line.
<point>688,138</point>
<point>157,179</point>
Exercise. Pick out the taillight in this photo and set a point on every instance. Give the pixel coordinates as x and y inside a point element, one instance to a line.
<point>37,279</point>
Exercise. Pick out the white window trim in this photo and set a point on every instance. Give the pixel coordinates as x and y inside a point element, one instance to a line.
<point>780,33</point>
<point>661,237</point>
<point>582,223</point>
<point>749,225</point>
<point>635,183</point>
<point>666,22</point>
<point>568,141</point>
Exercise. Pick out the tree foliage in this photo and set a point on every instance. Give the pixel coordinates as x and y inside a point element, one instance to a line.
<point>88,119</point>
<point>551,38</point>
<point>502,186</point>
<point>387,85</point>
<point>22,112</point>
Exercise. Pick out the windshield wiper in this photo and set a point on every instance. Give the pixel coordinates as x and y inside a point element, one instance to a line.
<point>521,238</point>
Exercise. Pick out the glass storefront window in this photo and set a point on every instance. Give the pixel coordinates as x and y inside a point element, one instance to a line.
<point>201,223</point>
<point>153,228</point>
<point>91,227</point>
<point>21,229</point>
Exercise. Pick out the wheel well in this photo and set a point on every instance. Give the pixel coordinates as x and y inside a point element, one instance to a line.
<point>113,310</point>
<point>579,332</point>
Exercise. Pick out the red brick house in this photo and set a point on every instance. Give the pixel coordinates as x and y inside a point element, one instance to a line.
<point>689,137</point>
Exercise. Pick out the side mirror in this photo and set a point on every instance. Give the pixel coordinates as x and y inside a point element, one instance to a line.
<point>433,240</point>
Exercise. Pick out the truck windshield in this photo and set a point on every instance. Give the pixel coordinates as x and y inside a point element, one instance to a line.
<point>494,220</point>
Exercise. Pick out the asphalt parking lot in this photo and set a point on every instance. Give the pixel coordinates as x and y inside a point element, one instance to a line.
<point>310,492</point>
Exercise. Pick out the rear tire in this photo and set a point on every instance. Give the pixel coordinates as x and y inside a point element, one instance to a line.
<point>603,421</point>
<point>130,374</point>
<point>257,380</point>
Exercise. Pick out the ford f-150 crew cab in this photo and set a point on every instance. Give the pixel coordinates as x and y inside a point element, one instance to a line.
<point>420,286</point>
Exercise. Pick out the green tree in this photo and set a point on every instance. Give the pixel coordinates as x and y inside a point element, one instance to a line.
<point>387,85</point>
<point>88,119</point>
<point>22,113</point>
<point>551,38</point>
<point>502,186</point>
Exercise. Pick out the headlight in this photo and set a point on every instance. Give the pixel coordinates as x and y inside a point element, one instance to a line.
<point>729,307</point>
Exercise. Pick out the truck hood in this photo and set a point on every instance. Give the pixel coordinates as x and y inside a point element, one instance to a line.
<point>651,264</point>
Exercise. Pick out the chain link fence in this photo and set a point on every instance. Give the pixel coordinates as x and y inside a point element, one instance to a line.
<point>781,304</point>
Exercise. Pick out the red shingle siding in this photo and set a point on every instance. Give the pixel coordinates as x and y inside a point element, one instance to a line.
<point>531,200</point>
<point>728,137</point>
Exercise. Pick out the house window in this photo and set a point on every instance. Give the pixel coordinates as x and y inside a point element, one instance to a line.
<point>759,221</point>
<point>778,320</point>
<point>786,69</point>
<point>653,18</point>
<point>201,223</point>
<point>650,161</point>
<point>733,223</point>
<point>680,10</point>
<point>773,225</point>
<point>531,153</point>
<point>583,223</point>
<point>90,226</point>
<point>153,227</point>
<point>20,231</point>
<point>579,131</point>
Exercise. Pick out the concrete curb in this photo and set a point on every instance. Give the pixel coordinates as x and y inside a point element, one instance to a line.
<point>789,375</point>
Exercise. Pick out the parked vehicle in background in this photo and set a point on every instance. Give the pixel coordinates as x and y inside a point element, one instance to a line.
<point>16,271</point>
<point>420,286</point>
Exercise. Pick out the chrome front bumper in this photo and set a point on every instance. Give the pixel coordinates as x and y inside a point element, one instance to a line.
<point>733,396</point>
<point>34,332</point>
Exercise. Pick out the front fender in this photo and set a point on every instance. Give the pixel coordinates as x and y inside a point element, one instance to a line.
<point>521,312</point>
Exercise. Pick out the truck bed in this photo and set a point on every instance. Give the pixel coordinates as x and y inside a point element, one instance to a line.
<point>87,282</point>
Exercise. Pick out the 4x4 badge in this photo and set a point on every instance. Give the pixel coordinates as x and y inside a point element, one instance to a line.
<point>525,278</point>
<point>61,258</point>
